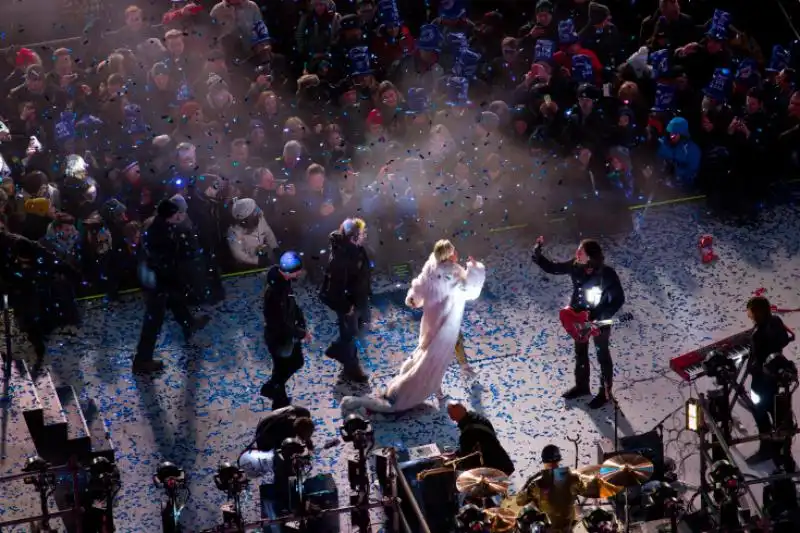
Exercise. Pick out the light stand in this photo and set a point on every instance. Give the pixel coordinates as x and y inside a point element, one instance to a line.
<point>232,481</point>
<point>104,485</point>
<point>358,430</point>
<point>44,481</point>
<point>172,479</point>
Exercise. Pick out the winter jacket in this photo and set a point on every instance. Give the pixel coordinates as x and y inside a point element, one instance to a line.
<point>563,59</point>
<point>248,246</point>
<point>284,322</point>
<point>315,35</point>
<point>348,278</point>
<point>390,49</point>
<point>584,279</point>
<point>478,434</point>
<point>162,254</point>
<point>684,156</point>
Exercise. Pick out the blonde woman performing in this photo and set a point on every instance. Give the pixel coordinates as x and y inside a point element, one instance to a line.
<point>442,290</point>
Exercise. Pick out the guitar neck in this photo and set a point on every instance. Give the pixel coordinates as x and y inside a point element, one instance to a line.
<point>609,322</point>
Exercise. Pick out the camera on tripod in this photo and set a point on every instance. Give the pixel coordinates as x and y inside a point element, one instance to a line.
<point>358,430</point>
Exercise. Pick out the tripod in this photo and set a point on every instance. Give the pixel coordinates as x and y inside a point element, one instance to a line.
<point>359,482</point>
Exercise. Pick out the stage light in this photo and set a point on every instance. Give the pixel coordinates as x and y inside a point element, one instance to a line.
<point>594,295</point>
<point>694,415</point>
<point>755,398</point>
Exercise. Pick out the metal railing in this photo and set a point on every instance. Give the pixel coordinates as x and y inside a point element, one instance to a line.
<point>73,468</point>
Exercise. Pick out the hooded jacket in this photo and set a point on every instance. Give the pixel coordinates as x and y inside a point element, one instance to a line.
<point>683,156</point>
<point>348,279</point>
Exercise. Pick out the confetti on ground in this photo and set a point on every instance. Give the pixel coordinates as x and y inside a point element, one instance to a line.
<point>205,407</point>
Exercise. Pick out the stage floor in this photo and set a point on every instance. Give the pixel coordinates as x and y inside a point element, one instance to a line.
<point>205,407</point>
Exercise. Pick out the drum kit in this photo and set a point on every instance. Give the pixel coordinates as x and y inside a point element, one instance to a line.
<point>486,490</point>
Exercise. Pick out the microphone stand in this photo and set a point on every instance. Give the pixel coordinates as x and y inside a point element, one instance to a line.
<point>616,416</point>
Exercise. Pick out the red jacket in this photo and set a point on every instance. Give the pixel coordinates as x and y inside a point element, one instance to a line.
<point>389,52</point>
<point>564,60</point>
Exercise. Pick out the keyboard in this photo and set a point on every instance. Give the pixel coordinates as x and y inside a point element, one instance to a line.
<point>689,366</point>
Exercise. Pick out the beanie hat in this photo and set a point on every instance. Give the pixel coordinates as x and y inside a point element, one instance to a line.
<point>290,262</point>
<point>430,38</point>
<point>167,208</point>
<point>489,120</point>
<point>259,34</point>
<point>551,454</point>
<point>544,5</point>
<point>374,118</point>
<point>243,208</point>
<point>37,206</point>
<point>180,201</point>
<point>25,57</point>
<point>598,13</point>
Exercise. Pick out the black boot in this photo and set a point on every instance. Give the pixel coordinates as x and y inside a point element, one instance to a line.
<point>268,390</point>
<point>576,392</point>
<point>199,324</point>
<point>600,399</point>
<point>147,366</point>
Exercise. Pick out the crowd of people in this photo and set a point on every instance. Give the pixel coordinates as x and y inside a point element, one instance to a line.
<point>265,126</point>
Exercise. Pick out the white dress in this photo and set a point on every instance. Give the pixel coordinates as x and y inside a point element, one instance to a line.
<point>441,290</point>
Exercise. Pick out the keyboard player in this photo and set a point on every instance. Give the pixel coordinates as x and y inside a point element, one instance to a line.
<point>769,335</point>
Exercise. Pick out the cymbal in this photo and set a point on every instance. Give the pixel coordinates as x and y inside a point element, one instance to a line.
<point>501,519</point>
<point>590,471</point>
<point>626,470</point>
<point>482,481</point>
<point>597,487</point>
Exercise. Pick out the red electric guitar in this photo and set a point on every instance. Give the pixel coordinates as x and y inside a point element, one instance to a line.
<point>580,328</point>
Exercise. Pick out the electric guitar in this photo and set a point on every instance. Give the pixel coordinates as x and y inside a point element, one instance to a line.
<point>580,328</point>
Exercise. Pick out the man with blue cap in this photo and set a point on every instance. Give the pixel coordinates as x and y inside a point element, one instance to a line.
<point>284,327</point>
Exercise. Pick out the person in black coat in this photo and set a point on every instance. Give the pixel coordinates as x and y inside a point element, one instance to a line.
<point>163,286</point>
<point>346,290</point>
<point>770,336</point>
<point>596,288</point>
<point>478,435</point>
<point>284,327</point>
<point>290,422</point>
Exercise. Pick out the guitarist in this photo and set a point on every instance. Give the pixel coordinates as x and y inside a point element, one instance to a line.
<point>595,288</point>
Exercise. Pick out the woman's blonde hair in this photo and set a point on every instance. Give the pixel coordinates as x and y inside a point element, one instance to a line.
<point>443,250</point>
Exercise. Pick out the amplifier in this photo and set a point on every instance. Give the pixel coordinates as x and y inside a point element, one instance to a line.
<point>649,445</point>
<point>435,495</point>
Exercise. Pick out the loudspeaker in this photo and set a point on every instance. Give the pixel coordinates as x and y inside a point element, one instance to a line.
<point>435,495</point>
<point>649,445</point>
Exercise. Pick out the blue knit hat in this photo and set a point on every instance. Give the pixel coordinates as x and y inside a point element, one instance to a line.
<point>359,61</point>
<point>430,38</point>
<point>457,91</point>
<point>582,71</point>
<point>65,127</point>
<point>543,51</point>
<point>717,88</point>
<point>779,59</point>
<point>259,34</point>
<point>88,125</point>
<point>416,101</point>
<point>388,14</point>
<point>290,262</point>
<point>659,61</point>
<point>665,98</point>
<point>566,32</point>
<point>720,25</point>
<point>466,64</point>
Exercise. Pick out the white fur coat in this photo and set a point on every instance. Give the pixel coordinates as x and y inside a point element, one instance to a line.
<point>441,290</point>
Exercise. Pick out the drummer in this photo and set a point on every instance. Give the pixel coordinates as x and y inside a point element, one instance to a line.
<point>553,490</point>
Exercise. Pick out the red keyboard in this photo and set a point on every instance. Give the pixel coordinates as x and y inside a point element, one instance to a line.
<point>689,366</point>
